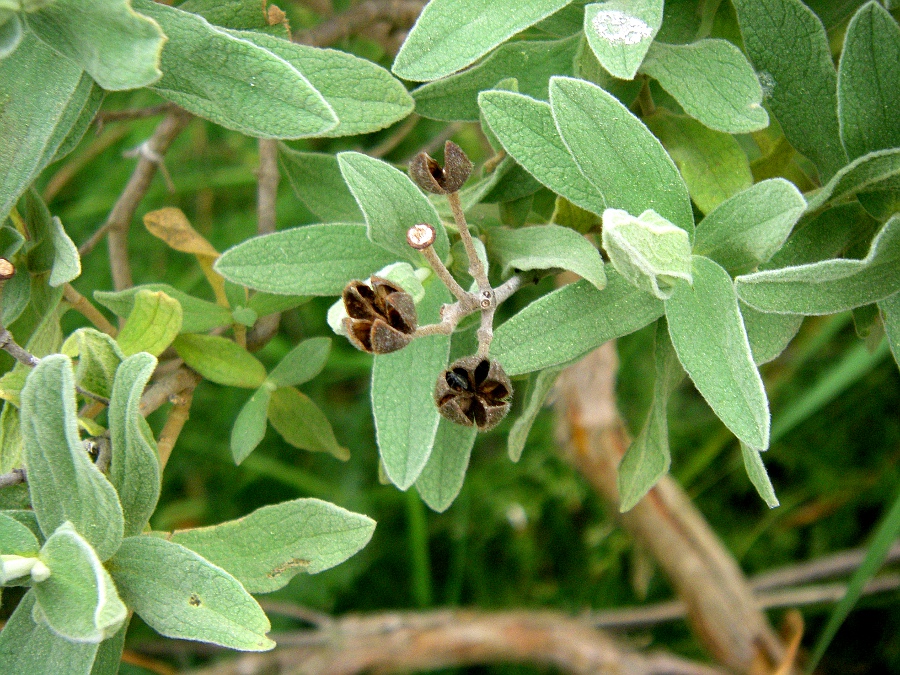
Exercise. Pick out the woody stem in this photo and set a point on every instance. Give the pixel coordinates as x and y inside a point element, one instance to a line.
<point>476,268</point>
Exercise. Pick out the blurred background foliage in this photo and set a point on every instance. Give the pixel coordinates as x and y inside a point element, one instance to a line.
<point>531,534</point>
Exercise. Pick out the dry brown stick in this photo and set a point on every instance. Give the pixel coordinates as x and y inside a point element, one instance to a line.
<point>119,220</point>
<point>160,391</point>
<point>178,416</point>
<point>413,641</point>
<point>340,26</point>
<point>84,306</point>
<point>720,603</point>
<point>128,114</point>
<point>266,220</point>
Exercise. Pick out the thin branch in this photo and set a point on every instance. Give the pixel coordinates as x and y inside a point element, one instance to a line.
<point>395,138</point>
<point>119,220</point>
<point>11,347</point>
<point>345,24</point>
<point>175,422</point>
<point>318,619</point>
<point>161,391</point>
<point>476,267</point>
<point>128,114</point>
<point>71,168</point>
<point>84,307</point>
<point>13,477</point>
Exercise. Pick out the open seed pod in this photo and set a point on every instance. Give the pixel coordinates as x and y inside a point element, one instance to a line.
<point>381,318</point>
<point>432,177</point>
<point>474,391</point>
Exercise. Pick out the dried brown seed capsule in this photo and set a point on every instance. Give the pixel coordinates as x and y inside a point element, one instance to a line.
<point>7,269</point>
<point>474,390</point>
<point>420,236</point>
<point>381,318</point>
<point>431,177</point>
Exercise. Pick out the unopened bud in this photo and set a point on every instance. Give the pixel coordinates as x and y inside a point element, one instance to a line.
<point>420,236</point>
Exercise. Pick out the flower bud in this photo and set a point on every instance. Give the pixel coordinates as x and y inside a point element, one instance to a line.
<point>431,177</point>
<point>381,318</point>
<point>474,391</point>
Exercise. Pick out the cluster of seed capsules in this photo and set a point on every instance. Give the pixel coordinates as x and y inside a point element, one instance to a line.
<point>381,316</point>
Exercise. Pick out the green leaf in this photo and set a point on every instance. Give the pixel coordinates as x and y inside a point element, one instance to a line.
<point>618,154</point>
<point>758,475</point>
<point>444,472</point>
<point>890,317</point>
<point>268,303</point>
<point>531,341</point>
<point>539,386</point>
<point>317,181</point>
<point>363,95</point>
<point>64,483</point>
<point>547,247</point>
<point>769,334</point>
<point>787,45</point>
<point>876,553</point>
<point>118,47</point>
<point>66,261</point>
<point>713,81</point>
<point>648,250</point>
<point>267,548</point>
<point>258,93</point>
<point>10,35</point>
<point>78,600</point>
<point>50,93</point>
<point>302,423</point>
<point>869,82</point>
<point>181,595</point>
<point>647,458</point>
<point>829,286</point>
<point>531,63</point>
<point>240,14</point>
<point>250,424</point>
<point>302,363</point>
<point>16,538</point>
<point>198,316</point>
<point>406,418</point>
<point>152,325</point>
<point>29,647</point>
<point>109,655</point>
<point>452,34</point>
<point>748,229</point>
<point>391,204</point>
<point>876,172</point>
<point>310,260</point>
<point>134,466</point>
<point>709,337</point>
<point>525,128</point>
<point>620,32</point>
<point>220,360</point>
<point>712,163</point>
<point>98,357</point>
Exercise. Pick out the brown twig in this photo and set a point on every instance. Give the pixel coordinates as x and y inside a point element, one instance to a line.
<point>71,168</point>
<point>719,600</point>
<point>167,386</point>
<point>13,477</point>
<point>84,307</point>
<point>128,114</point>
<point>119,220</point>
<point>401,13</point>
<point>410,641</point>
<point>175,422</point>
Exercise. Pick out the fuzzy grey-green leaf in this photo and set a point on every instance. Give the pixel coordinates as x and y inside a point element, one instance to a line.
<point>317,181</point>
<point>302,423</point>
<point>391,204</point>
<point>65,484</point>
<point>879,171</point>
<point>98,357</point>
<point>618,154</point>
<point>233,82</point>
<point>182,595</point>
<point>709,337</point>
<point>118,47</point>
<point>620,32</point>
<point>829,286</point>
<point>134,464</point>
<point>531,341</point>
<point>547,247</point>
<point>267,548</point>
<point>713,81</point>
<point>540,384</point>
<point>526,130</point>
<point>746,230</point>
<point>78,600</point>
<point>758,475</point>
<point>444,472</point>
<point>302,363</point>
<point>250,424</point>
<point>198,316</point>
<point>451,34</point>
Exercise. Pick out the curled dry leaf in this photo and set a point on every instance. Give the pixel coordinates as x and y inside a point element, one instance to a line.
<point>474,391</point>
<point>381,317</point>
